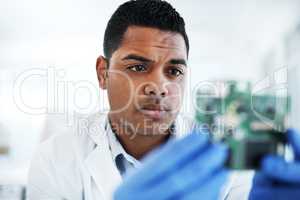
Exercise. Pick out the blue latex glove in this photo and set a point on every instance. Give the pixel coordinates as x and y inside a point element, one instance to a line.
<point>190,168</point>
<point>277,178</point>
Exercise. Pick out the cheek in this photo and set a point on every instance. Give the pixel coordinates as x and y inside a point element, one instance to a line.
<point>175,92</point>
<point>120,91</point>
<point>174,98</point>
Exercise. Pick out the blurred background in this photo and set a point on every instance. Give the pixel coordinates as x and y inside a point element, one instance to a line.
<point>48,51</point>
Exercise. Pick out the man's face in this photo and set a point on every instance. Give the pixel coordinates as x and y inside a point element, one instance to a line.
<point>146,79</point>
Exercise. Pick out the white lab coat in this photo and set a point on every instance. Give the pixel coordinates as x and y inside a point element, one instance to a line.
<point>78,165</point>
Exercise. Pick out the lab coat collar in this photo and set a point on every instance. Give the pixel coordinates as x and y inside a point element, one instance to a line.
<point>99,162</point>
<point>116,147</point>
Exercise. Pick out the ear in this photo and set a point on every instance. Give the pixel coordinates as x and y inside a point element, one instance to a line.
<point>101,68</point>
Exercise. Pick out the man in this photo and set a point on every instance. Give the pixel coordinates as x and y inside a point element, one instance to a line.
<point>144,71</point>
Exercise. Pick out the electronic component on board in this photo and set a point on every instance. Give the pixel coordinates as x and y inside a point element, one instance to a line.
<point>252,125</point>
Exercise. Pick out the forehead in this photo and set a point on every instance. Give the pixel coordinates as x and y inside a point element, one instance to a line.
<point>152,42</point>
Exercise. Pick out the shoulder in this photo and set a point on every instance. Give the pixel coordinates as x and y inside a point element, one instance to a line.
<point>77,140</point>
<point>56,167</point>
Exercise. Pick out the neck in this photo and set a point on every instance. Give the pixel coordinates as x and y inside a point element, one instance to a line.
<point>139,145</point>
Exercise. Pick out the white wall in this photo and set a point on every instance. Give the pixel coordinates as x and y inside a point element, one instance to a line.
<point>293,60</point>
<point>229,40</point>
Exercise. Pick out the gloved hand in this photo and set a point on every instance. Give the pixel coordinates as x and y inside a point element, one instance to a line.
<point>190,168</point>
<point>277,178</point>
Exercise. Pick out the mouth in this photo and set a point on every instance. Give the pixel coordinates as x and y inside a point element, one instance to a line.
<point>155,112</point>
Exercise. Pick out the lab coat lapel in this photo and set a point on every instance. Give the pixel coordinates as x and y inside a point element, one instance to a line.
<point>99,162</point>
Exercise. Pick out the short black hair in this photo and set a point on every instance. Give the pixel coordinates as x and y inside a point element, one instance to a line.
<point>147,13</point>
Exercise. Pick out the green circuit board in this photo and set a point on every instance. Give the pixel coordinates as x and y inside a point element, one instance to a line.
<point>252,125</point>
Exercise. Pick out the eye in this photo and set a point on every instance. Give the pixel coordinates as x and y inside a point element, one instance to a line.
<point>175,71</point>
<point>138,68</point>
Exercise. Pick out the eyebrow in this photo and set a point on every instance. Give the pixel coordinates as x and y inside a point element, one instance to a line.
<point>178,62</point>
<point>137,57</point>
<point>143,59</point>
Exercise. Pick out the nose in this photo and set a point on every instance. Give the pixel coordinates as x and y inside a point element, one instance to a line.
<point>156,89</point>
